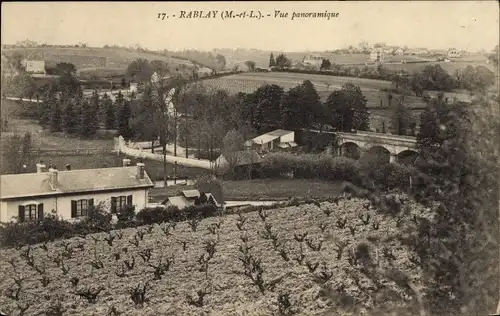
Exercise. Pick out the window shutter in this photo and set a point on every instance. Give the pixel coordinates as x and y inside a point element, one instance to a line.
<point>91,202</point>
<point>73,209</point>
<point>129,199</point>
<point>21,213</point>
<point>40,211</point>
<point>113,205</point>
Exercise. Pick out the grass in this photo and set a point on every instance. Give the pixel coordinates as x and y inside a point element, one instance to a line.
<point>279,189</point>
<point>262,189</point>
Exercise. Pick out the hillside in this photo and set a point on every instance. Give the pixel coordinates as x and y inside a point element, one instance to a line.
<point>324,84</point>
<point>89,57</point>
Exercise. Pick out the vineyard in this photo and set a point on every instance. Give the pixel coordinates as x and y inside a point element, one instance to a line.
<point>343,257</point>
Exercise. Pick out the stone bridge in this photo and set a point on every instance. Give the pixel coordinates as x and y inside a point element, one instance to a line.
<point>396,146</point>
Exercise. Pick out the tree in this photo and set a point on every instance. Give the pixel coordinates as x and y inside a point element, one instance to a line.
<point>65,69</point>
<point>494,57</point>
<point>402,118</point>
<point>250,64</point>
<point>18,152</point>
<point>143,122</point>
<point>347,109</point>
<point>301,107</point>
<point>56,117</point>
<point>221,61</point>
<point>140,70</point>
<point>70,122</point>
<point>434,77</point>
<point>475,79</point>
<point>123,116</point>
<point>90,115</point>
<point>233,142</point>
<point>109,112</point>
<point>326,64</point>
<point>364,47</point>
<point>458,160</point>
<point>272,62</point>
<point>282,62</point>
<point>46,108</point>
<point>266,111</point>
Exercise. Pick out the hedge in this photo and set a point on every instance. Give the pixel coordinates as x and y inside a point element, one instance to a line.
<point>312,166</point>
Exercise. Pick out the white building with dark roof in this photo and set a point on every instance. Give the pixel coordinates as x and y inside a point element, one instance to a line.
<point>69,193</point>
<point>277,139</point>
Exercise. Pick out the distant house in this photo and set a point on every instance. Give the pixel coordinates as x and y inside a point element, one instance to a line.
<point>439,52</point>
<point>398,51</point>
<point>277,139</point>
<point>313,60</point>
<point>34,66</point>
<point>377,55</point>
<point>454,53</point>
<point>69,193</point>
<point>420,51</point>
<point>190,198</point>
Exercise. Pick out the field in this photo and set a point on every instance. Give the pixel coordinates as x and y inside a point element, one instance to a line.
<point>271,189</point>
<point>305,264</point>
<point>116,57</point>
<point>261,58</point>
<point>262,189</point>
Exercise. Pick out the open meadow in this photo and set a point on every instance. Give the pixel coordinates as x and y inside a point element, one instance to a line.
<point>344,257</point>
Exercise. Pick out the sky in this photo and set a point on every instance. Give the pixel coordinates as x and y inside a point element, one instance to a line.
<point>470,25</point>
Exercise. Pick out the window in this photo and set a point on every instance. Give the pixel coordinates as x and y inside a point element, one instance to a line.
<point>79,208</point>
<point>119,202</point>
<point>30,212</point>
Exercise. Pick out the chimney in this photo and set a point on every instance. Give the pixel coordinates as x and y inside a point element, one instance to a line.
<point>140,170</point>
<point>126,162</point>
<point>53,178</point>
<point>40,167</point>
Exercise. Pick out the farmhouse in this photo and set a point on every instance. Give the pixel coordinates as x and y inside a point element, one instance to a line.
<point>313,60</point>
<point>34,66</point>
<point>191,198</point>
<point>277,139</point>
<point>69,193</point>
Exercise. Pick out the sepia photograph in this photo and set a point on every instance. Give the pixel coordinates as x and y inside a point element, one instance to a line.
<point>250,158</point>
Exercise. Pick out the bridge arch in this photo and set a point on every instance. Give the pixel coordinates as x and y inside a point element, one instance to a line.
<point>376,154</point>
<point>407,156</point>
<point>350,150</point>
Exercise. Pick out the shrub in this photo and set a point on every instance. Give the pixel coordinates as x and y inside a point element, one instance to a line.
<point>318,166</point>
<point>158,215</point>
<point>126,214</point>
<point>28,233</point>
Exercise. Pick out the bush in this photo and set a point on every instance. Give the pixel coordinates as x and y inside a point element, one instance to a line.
<point>312,166</point>
<point>29,233</point>
<point>158,215</point>
<point>126,214</point>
